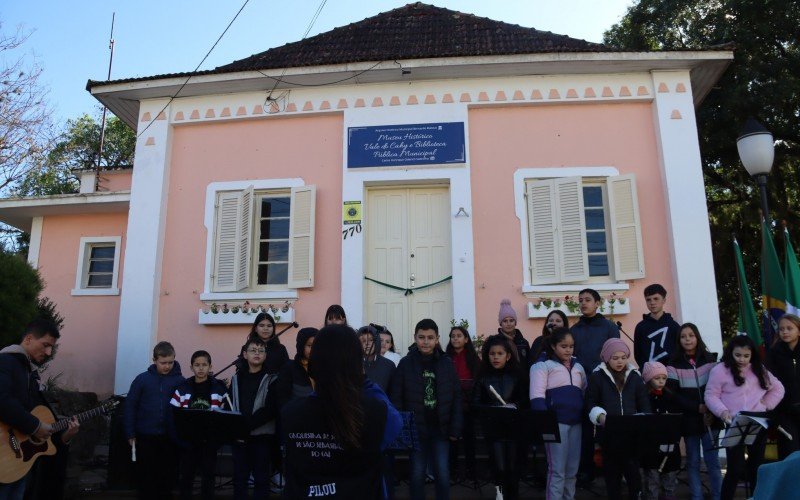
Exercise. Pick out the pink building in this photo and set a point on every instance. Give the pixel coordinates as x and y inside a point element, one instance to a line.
<point>417,147</point>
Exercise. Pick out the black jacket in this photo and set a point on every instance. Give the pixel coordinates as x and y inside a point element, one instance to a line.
<point>512,387</point>
<point>785,365</point>
<point>602,392</point>
<point>277,356</point>
<point>407,387</point>
<point>655,340</point>
<point>19,391</point>
<point>293,383</point>
<point>688,383</point>
<point>590,334</point>
<point>663,402</point>
<point>315,463</point>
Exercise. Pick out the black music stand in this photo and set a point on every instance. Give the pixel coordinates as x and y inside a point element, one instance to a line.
<point>643,431</point>
<point>503,422</point>
<point>220,425</point>
<point>743,429</point>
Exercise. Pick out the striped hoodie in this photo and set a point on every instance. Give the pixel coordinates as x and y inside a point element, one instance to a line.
<point>186,396</point>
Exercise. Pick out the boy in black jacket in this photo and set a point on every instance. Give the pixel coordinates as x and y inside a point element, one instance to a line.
<point>426,383</point>
<point>201,392</point>
<point>655,337</point>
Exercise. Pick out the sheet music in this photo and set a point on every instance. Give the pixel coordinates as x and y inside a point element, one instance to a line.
<point>741,424</point>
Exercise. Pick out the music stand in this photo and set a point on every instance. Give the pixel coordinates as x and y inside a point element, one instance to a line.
<point>221,425</point>
<point>640,431</point>
<point>502,422</point>
<point>744,429</point>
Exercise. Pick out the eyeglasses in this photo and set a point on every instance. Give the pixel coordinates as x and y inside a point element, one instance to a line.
<point>256,351</point>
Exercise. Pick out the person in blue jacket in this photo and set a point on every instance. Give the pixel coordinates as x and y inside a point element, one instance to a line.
<point>590,333</point>
<point>148,423</point>
<point>335,437</point>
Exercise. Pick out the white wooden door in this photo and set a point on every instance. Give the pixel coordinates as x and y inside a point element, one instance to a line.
<point>408,246</point>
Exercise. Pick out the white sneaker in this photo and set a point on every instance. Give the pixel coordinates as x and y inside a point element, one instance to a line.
<point>499,495</point>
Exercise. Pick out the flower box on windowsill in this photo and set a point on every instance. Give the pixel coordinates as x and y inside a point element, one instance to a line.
<point>206,317</point>
<point>605,309</point>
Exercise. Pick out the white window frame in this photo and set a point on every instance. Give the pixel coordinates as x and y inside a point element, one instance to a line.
<point>84,253</point>
<point>521,211</point>
<point>251,294</point>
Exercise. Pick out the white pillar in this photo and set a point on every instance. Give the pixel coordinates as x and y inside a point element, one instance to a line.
<point>695,296</point>
<point>36,241</point>
<point>141,278</point>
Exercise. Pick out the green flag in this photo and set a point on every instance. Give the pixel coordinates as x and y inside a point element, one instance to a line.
<point>748,321</point>
<point>791,271</point>
<point>773,286</point>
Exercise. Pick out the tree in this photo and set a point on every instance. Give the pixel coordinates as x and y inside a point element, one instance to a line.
<point>20,286</point>
<point>76,149</point>
<point>24,114</point>
<point>763,81</point>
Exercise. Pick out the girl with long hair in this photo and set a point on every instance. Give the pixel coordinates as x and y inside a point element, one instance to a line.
<point>557,383</point>
<point>334,438</point>
<point>501,371</point>
<point>783,360</point>
<point>335,315</point>
<point>264,328</point>
<point>687,376</point>
<point>555,319</point>
<point>741,383</point>
<point>462,351</point>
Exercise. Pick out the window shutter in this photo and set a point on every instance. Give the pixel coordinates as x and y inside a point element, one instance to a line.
<point>233,240</point>
<point>244,239</point>
<point>571,230</point>
<point>542,232</point>
<point>301,237</point>
<point>226,244</point>
<point>626,230</point>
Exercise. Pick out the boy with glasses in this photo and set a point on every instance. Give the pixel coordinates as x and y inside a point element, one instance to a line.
<point>252,397</point>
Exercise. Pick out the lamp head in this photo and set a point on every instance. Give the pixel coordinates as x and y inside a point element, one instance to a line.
<point>756,148</point>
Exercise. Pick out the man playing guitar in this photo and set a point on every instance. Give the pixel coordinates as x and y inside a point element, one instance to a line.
<point>20,391</point>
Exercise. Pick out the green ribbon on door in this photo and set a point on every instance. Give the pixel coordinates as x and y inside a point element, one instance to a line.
<point>408,291</point>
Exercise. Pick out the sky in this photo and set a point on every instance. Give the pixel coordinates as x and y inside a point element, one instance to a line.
<point>69,39</point>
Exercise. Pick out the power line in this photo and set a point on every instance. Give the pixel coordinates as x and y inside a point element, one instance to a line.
<point>195,69</point>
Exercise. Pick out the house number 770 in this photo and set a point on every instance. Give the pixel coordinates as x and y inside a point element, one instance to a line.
<point>352,230</point>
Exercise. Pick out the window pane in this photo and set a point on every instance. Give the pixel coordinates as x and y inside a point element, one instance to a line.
<point>596,242</point>
<point>99,281</point>
<point>274,229</point>
<point>598,265</point>
<point>595,218</point>
<point>101,266</point>
<point>275,207</point>
<point>274,250</point>
<point>592,196</point>
<point>273,274</point>
<point>102,252</point>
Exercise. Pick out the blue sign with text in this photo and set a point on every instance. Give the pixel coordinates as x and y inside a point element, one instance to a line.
<point>399,145</point>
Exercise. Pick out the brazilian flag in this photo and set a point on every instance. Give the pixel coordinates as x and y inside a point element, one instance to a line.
<point>748,320</point>
<point>773,286</point>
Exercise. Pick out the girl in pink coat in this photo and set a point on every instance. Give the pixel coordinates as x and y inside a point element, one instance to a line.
<point>742,383</point>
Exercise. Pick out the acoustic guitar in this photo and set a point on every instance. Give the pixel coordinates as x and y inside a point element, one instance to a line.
<point>19,451</point>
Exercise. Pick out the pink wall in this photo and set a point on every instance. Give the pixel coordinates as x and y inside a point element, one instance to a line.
<point>115,180</point>
<point>88,345</point>
<point>307,147</point>
<point>503,140</point>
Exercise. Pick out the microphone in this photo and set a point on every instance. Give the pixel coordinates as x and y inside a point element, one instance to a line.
<point>619,325</point>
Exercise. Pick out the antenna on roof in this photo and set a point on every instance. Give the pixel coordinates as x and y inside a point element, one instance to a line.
<point>103,121</point>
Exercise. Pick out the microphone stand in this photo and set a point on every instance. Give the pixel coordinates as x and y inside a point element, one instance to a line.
<point>619,325</point>
<point>291,325</point>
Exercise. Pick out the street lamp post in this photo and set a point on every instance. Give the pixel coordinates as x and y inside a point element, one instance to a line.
<point>757,152</point>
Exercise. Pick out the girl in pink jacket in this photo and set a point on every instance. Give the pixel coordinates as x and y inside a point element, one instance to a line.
<point>557,383</point>
<point>742,383</point>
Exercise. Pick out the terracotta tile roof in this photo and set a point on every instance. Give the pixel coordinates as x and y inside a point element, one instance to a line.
<point>414,31</point>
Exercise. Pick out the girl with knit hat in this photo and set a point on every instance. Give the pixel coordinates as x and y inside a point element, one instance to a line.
<point>616,388</point>
<point>507,318</point>
<point>658,473</point>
